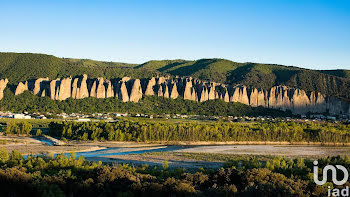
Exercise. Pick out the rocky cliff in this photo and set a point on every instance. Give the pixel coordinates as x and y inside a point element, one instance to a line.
<point>127,89</point>
<point>3,84</point>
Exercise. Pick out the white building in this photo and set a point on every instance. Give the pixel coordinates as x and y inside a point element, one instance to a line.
<point>21,116</point>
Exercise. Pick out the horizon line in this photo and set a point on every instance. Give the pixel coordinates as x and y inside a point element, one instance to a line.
<point>136,64</point>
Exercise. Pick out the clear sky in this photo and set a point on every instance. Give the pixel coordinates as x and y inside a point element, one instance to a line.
<point>306,33</point>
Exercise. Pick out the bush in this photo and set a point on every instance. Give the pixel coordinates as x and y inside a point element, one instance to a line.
<point>38,132</point>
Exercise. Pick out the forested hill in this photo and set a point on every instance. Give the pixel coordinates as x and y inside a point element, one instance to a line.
<point>18,67</point>
<point>23,66</point>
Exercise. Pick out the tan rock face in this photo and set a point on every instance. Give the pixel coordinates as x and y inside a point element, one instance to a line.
<point>240,94</point>
<point>235,96</point>
<point>211,93</point>
<point>244,96</point>
<point>300,101</point>
<point>109,89</point>
<point>93,89</point>
<point>225,96</point>
<point>37,85</point>
<point>149,89</point>
<point>188,92</point>
<point>204,95</point>
<point>166,91</point>
<point>82,90</point>
<point>161,80</point>
<point>43,93</point>
<point>21,87</point>
<point>123,92</point>
<point>64,90</point>
<point>253,100</point>
<point>54,86</point>
<point>125,79</point>
<point>3,84</point>
<point>174,93</point>
<point>261,98</point>
<point>100,89</point>
<point>75,88</point>
<point>136,91</point>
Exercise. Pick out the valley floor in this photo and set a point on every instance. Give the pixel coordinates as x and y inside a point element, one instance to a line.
<point>186,156</point>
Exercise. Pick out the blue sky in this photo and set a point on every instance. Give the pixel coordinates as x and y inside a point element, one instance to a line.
<point>304,33</point>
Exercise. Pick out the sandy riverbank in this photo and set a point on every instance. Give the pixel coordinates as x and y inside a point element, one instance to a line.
<point>250,143</point>
<point>174,161</point>
<point>142,153</point>
<point>34,149</point>
<point>214,156</point>
<point>272,150</point>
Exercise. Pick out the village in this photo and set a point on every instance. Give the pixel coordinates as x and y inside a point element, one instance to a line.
<point>112,117</point>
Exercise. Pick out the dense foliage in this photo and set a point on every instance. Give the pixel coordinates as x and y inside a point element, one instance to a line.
<point>18,128</point>
<point>127,130</point>
<point>68,176</point>
<point>148,105</point>
<point>14,66</point>
<point>25,66</point>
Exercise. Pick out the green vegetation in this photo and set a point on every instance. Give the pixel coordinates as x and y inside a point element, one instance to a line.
<point>25,66</point>
<point>149,105</point>
<point>165,165</point>
<point>148,130</point>
<point>42,124</point>
<point>338,72</point>
<point>20,128</point>
<point>38,132</point>
<point>205,69</point>
<point>25,127</point>
<point>71,176</point>
<point>264,76</point>
<point>3,142</point>
<point>14,66</point>
<point>144,131</point>
<point>214,157</point>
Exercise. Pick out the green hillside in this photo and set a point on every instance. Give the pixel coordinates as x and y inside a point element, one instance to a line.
<point>332,82</point>
<point>22,66</point>
<point>205,69</point>
<point>339,73</point>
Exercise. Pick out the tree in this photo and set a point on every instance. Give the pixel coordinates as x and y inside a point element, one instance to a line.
<point>165,164</point>
<point>11,128</point>
<point>38,132</point>
<point>4,156</point>
<point>16,158</point>
<point>25,127</point>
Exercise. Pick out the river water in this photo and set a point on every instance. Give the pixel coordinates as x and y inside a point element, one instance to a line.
<point>272,150</point>
<point>128,151</point>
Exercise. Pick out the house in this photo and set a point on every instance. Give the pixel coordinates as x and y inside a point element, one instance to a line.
<point>83,120</point>
<point>21,116</point>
